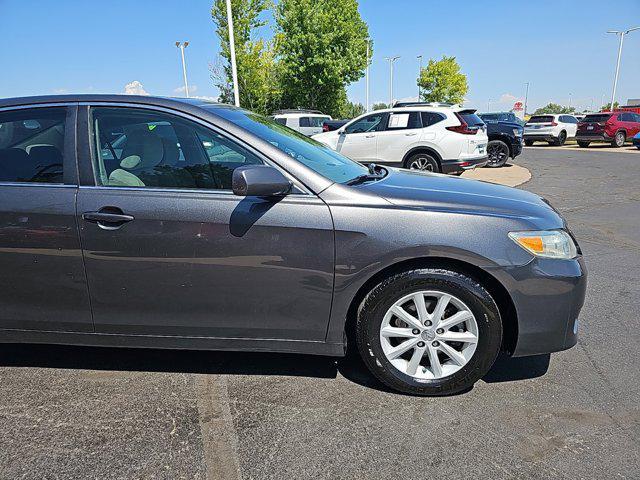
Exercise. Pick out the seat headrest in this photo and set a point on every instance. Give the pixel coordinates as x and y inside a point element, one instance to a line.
<point>44,155</point>
<point>146,146</point>
<point>171,152</point>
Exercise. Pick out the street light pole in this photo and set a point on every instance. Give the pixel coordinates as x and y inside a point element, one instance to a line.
<point>419,74</point>
<point>232,48</point>
<point>526,97</point>
<point>182,46</point>
<point>615,79</point>
<point>488,104</point>
<point>569,100</point>
<point>367,80</point>
<point>391,60</point>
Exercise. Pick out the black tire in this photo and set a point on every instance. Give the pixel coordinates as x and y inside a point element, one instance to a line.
<point>528,143</point>
<point>428,161</point>
<point>381,298</point>
<point>619,139</point>
<point>498,153</point>
<point>561,139</point>
<point>583,144</point>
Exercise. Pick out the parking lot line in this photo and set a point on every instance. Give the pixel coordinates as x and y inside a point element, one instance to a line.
<point>219,438</point>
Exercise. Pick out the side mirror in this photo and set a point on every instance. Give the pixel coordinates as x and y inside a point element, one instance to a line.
<point>342,131</point>
<point>259,181</point>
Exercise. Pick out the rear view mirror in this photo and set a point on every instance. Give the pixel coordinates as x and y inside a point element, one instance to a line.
<point>260,181</point>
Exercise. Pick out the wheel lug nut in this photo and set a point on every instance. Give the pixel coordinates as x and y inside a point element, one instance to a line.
<point>415,331</point>
<point>420,344</point>
<point>436,343</point>
<point>439,331</point>
<point>427,323</point>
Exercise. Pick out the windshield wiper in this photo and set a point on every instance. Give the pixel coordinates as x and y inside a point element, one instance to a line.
<point>376,172</point>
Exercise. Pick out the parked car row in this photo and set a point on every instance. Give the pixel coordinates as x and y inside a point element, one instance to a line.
<point>609,127</point>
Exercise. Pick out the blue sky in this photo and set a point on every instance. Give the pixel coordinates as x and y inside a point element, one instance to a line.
<point>560,47</point>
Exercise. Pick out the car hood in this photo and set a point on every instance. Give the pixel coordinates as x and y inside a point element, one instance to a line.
<point>438,192</point>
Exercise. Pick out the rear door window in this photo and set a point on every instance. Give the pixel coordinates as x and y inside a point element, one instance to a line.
<point>596,118</point>
<point>404,121</point>
<point>32,145</point>
<point>305,122</point>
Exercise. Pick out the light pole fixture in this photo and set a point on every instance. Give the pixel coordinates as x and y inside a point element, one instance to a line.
<point>182,46</point>
<point>419,57</point>
<point>232,51</point>
<point>391,60</point>
<point>622,33</point>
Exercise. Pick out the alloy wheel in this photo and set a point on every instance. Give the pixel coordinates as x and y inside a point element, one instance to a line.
<point>421,163</point>
<point>429,334</point>
<point>498,153</point>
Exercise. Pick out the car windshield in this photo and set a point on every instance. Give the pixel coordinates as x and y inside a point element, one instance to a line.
<point>307,151</point>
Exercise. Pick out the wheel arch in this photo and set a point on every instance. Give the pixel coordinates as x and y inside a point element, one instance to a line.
<point>422,149</point>
<point>495,288</point>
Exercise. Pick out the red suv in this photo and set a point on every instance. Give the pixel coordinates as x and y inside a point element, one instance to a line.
<point>614,127</point>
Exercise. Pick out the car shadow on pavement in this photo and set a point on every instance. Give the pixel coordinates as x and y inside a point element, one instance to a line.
<point>166,361</point>
<point>351,367</point>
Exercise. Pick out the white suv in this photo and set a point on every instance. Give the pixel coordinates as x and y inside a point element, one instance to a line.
<point>421,136</point>
<point>307,122</point>
<point>554,129</point>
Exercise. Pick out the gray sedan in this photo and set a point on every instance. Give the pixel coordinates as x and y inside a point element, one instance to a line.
<point>165,223</point>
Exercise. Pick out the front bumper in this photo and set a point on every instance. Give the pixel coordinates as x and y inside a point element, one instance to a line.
<point>459,166</point>
<point>548,295</point>
<point>516,148</point>
<point>636,142</point>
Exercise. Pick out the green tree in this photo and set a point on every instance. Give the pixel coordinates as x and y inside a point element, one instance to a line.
<point>553,108</point>
<point>607,107</point>
<point>352,110</point>
<point>321,47</point>
<point>255,58</point>
<point>442,81</point>
<point>380,106</point>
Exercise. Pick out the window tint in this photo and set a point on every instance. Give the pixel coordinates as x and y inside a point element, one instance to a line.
<point>597,117</point>
<point>431,118</point>
<point>636,117</point>
<point>281,120</point>
<point>471,118</point>
<point>32,145</point>
<point>403,121</point>
<point>626,117</point>
<point>305,122</point>
<point>370,123</point>
<point>317,121</point>
<point>541,119</point>
<point>138,148</point>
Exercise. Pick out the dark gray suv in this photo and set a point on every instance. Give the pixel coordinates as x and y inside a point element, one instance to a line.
<point>154,222</point>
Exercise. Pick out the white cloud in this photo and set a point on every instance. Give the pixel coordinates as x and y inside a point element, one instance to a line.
<point>180,90</point>
<point>508,98</point>
<point>135,88</point>
<point>60,91</point>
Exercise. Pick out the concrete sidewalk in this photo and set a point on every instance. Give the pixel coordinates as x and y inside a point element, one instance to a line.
<point>510,175</point>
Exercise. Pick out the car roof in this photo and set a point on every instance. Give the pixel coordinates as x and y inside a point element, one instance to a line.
<point>300,114</point>
<point>112,98</point>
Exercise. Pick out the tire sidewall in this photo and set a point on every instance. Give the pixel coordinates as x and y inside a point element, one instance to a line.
<point>470,292</point>
<point>619,134</point>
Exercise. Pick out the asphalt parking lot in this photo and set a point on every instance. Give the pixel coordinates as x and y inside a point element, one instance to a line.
<point>70,412</point>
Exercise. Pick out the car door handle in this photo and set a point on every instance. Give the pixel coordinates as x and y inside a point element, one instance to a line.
<point>369,136</point>
<point>107,220</point>
<point>410,134</point>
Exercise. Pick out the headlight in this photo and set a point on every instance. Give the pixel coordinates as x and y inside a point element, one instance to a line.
<point>546,243</point>
<point>517,132</point>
